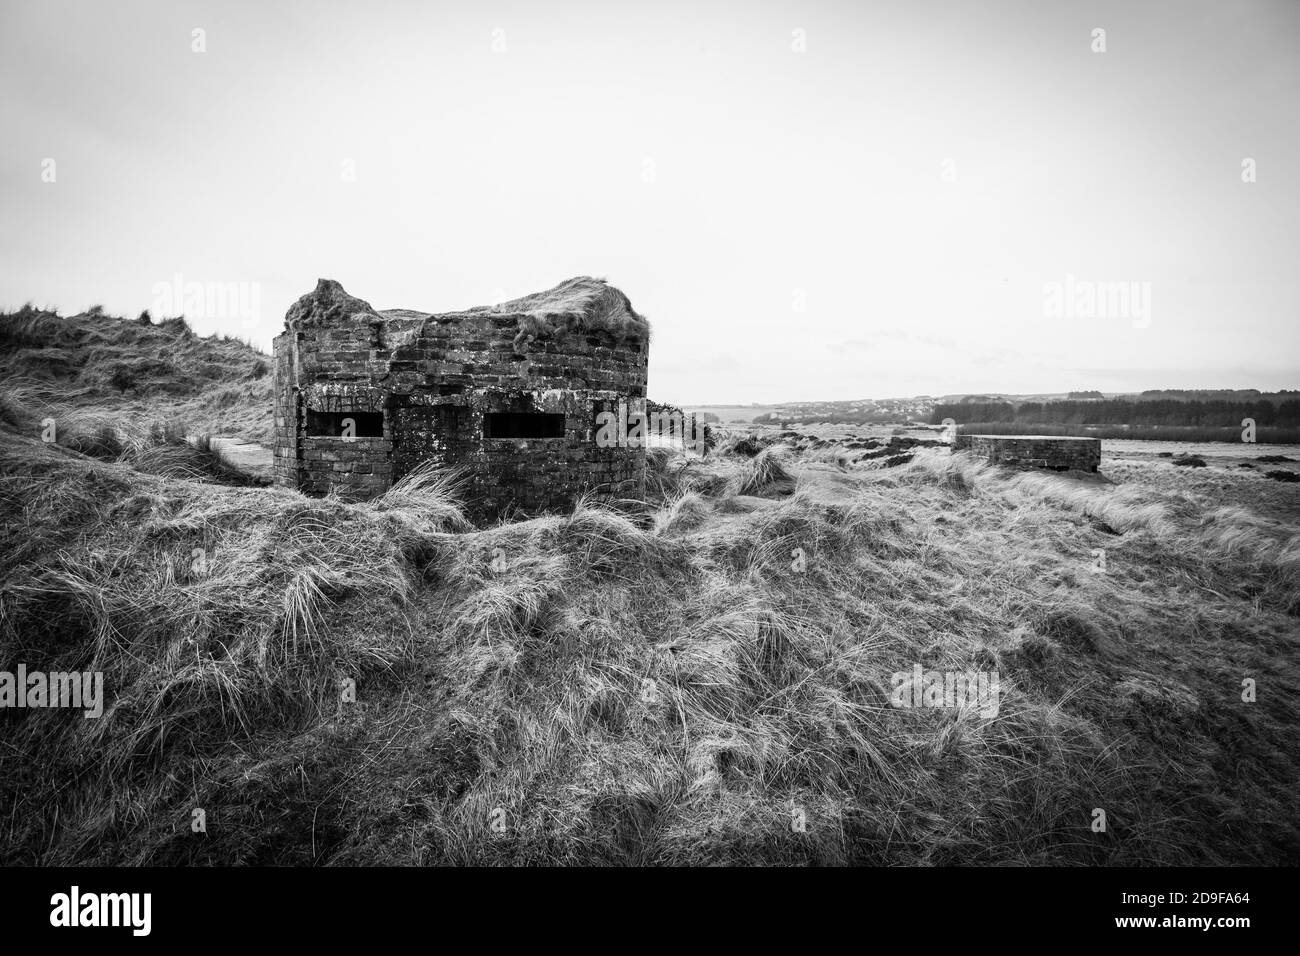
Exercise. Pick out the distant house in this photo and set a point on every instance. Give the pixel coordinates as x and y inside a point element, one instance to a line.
<point>508,396</point>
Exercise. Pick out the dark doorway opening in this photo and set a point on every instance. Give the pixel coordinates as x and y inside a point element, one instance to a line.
<point>333,424</point>
<point>427,435</point>
<point>524,425</point>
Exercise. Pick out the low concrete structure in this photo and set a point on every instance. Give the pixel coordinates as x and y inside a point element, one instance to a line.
<point>1034,451</point>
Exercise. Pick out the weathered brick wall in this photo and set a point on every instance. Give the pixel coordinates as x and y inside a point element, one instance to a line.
<point>284,466</point>
<point>434,379</point>
<point>1035,451</point>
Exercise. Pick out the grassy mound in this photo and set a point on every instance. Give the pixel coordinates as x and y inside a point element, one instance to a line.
<point>379,682</point>
<point>576,306</point>
<point>154,447</point>
<point>137,369</point>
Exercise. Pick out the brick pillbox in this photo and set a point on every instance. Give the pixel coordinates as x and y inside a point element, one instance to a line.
<point>506,395</point>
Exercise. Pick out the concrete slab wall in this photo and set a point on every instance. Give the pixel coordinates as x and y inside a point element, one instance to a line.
<point>1034,451</point>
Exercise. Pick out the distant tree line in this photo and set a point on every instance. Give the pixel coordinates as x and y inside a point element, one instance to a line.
<point>1213,394</point>
<point>1119,411</point>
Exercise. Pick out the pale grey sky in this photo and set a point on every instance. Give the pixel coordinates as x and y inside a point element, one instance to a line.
<point>808,200</point>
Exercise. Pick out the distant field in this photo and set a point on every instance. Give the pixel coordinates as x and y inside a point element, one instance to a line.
<point>1207,449</point>
<point>733,414</point>
<point>1237,457</point>
<point>1174,433</point>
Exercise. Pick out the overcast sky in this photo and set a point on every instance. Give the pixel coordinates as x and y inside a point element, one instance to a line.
<point>808,200</point>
